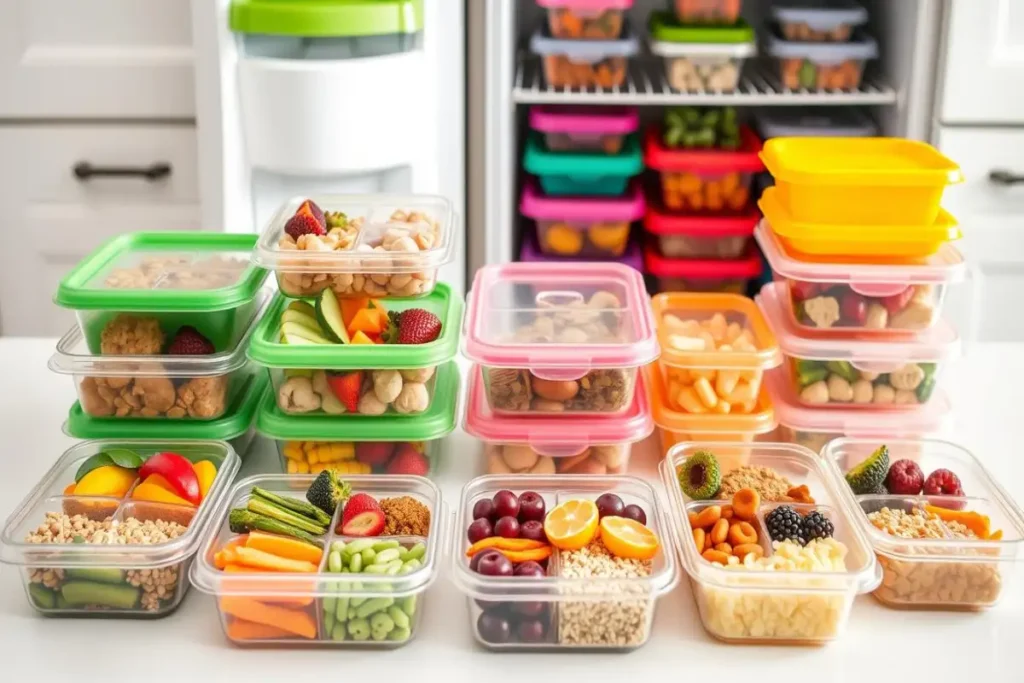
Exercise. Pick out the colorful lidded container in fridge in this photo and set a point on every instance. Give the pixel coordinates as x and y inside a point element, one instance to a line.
<point>529,252</point>
<point>707,11</point>
<point>585,63</point>
<point>586,19</point>
<point>701,58</point>
<point>582,173</point>
<point>701,236</point>
<point>730,276</point>
<point>821,66</point>
<point>814,21</point>
<point>584,129</point>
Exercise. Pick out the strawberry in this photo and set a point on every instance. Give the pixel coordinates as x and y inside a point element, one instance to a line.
<point>374,453</point>
<point>303,224</point>
<point>189,342</point>
<point>362,516</point>
<point>412,326</point>
<point>346,388</point>
<point>310,208</point>
<point>897,302</point>
<point>408,460</point>
<point>853,309</point>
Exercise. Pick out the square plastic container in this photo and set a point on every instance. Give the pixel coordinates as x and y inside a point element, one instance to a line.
<point>584,129</point>
<point>707,11</point>
<point>587,19</point>
<point>582,226</point>
<point>683,235</point>
<point>582,173</point>
<point>154,387</point>
<point>159,282</point>
<point>838,298</point>
<point>584,64</point>
<point>396,379</point>
<point>542,445</point>
<point>94,576</point>
<point>292,607</point>
<point>947,572</point>
<point>714,180</point>
<point>703,275</point>
<point>529,252</point>
<point>857,371</point>
<point>358,254</point>
<point>826,123</point>
<point>821,66</point>
<point>873,181</point>
<point>360,444</point>
<point>815,21</point>
<point>565,338</point>
<point>701,58</point>
<point>556,612</point>
<point>742,605</point>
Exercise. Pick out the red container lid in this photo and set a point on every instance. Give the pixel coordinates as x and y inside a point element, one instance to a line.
<point>658,221</point>
<point>746,159</point>
<point>746,268</point>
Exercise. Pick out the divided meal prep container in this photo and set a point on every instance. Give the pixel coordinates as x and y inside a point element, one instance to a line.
<point>947,573</point>
<point>741,605</point>
<point>585,63</point>
<point>582,173</point>
<point>701,58</point>
<point>703,275</point>
<point>814,21</point>
<point>108,578</point>
<point>307,605</point>
<point>821,66</point>
<point>584,129</point>
<point>575,614</point>
<point>587,19</point>
<point>701,236</point>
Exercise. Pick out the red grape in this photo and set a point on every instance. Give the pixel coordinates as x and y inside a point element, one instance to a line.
<point>479,556</point>
<point>636,513</point>
<point>531,507</point>
<point>530,569</point>
<point>533,530</point>
<point>494,564</point>
<point>609,505</point>
<point>505,504</point>
<point>530,631</point>
<point>484,509</point>
<point>528,609</point>
<point>507,527</point>
<point>493,629</point>
<point>479,530</point>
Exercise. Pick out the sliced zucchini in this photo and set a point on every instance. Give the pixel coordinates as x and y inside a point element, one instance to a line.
<point>294,333</point>
<point>328,314</point>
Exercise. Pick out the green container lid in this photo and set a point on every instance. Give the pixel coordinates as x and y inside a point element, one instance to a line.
<point>327,18</point>
<point>539,161</point>
<point>165,271</point>
<point>236,420</point>
<point>437,421</point>
<point>663,26</point>
<point>266,350</point>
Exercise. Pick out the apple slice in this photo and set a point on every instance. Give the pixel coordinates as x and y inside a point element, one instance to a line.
<point>292,316</point>
<point>294,333</point>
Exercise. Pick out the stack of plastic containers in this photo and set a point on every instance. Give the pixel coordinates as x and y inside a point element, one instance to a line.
<point>585,43</point>
<point>701,58</point>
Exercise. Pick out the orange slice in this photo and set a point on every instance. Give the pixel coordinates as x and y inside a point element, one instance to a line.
<point>572,524</point>
<point>628,538</point>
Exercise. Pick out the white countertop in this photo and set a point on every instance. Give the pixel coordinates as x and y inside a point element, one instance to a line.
<point>987,389</point>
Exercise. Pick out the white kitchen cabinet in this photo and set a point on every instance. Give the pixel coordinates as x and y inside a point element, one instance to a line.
<point>51,218</point>
<point>96,58</point>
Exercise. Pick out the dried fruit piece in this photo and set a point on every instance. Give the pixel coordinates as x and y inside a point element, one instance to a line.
<point>700,476</point>
<point>905,478</point>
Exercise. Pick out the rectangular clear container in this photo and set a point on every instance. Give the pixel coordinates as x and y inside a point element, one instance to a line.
<point>815,21</point>
<point>541,445</point>
<point>68,575</point>
<point>741,605</point>
<point>584,129</point>
<point>821,66</point>
<point>306,598</point>
<point>701,58</point>
<point>836,297</point>
<point>593,227</point>
<point>393,379</point>
<point>703,275</point>
<point>136,291</point>
<point>377,245</point>
<point>700,236</point>
<point>586,19</point>
<point>857,372</point>
<point>529,252</point>
<point>600,64</point>
<point>564,338</point>
<point>582,174</point>
<point>945,572</point>
<point>556,613</point>
<point>707,11</point>
<point>835,122</point>
<point>364,445</point>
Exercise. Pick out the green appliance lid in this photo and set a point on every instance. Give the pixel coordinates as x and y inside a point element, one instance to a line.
<point>538,160</point>
<point>327,18</point>
<point>437,421</point>
<point>664,27</point>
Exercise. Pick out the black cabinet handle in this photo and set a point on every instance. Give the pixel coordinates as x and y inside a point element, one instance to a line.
<point>159,170</point>
<point>1001,177</point>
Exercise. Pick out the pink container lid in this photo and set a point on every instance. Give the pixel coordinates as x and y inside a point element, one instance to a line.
<point>933,345</point>
<point>585,120</point>
<point>507,297</point>
<point>591,5</point>
<point>629,207</point>
<point>553,436</point>
<point>748,267</point>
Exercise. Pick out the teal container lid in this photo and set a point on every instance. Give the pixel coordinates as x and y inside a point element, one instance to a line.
<point>165,271</point>
<point>236,420</point>
<point>266,349</point>
<point>438,420</point>
<point>663,26</point>
<point>327,18</point>
<point>539,161</point>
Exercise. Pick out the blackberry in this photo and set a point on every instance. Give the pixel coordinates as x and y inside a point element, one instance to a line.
<point>817,525</point>
<point>785,524</point>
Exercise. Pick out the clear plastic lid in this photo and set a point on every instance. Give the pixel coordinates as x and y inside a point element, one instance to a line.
<point>820,15</point>
<point>588,51</point>
<point>861,47</point>
<point>936,344</point>
<point>761,420</point>
<point>607,302</point>
<point>427,218</point>
<point>627,208</point>
<point>584,120</point>
<point>839,123</point>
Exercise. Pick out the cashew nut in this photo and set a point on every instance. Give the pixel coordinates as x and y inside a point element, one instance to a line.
<point>369,404</point>
<point>884,394</point>
<point>387,385</point>
<point>815,393</point>
<point>877,317</point>
<point>839,389</point>
<point>909,377</point>
<point>917,315</point>
<point>863,391</point>
<point>296,395</point>
<point>421,375</point>
<point>329,403</point>
<point>414,398</point>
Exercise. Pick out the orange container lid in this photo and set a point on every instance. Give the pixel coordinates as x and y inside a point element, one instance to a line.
<point>761,421</point>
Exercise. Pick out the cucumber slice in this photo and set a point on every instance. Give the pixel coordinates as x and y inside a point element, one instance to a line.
<point>308,321</point>
<point>328,314</point>
<point>293,333</point>
<point>302,307</point>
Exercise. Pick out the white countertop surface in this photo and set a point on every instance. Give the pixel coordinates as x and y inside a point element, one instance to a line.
<point>987,389</point>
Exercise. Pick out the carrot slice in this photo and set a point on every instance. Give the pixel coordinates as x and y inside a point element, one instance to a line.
<point>251,557</point>
<point>226,555</point>
<point>241,629</point>
<point>282,546</point>
<point>296,622</point>
<point>267,591</point>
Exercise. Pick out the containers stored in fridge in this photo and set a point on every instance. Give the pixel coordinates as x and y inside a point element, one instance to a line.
<point>815,21</point>
<point>701,58</point>
<point>586,19</point>
<point>821,66</point>
<point>585,63</point>
<point>584,129</point>
<point>707,11</point>
<point>703,275</point>
<point>701,236</point>
<point>822,122</point>
<point>582,173</point>
<point>530,252</point>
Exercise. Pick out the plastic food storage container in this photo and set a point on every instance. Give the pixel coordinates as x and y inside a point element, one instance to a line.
<point>792,601</point>
<point>529,252</point>
<point>322,378</point>
<point>963,559</point>
<point>703,275</point>
<point>701,236</point>
<point>829,122</point>
<point>701,58</point>
<point>136,291</point>
<point>365,445</point>
<point>303,603</point>
<point>707,11</point>
<point>857,371</point>
<point>866,298</point>
<point>596,444</point>
<point>582,173</point>
<point>584,129</point>
<point>704,179</point>
<point>235,426</point>
<point>582,226</point>
<point>585,63</point>
<point>814,21</point>
<point>153,386</point>
<point>559,337</point>
<point>348,243</point>
<point>822,66</point>
<point>589,19</point>
<point>577,602</point>
<point>94,539</point>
